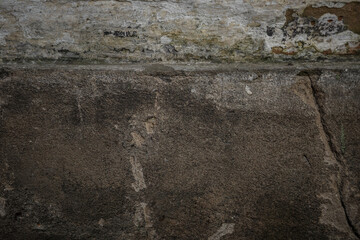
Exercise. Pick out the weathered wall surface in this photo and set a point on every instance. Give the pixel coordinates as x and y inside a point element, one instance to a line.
<point>144,119</point>
<point>172,31</point>
<point>155,152</point>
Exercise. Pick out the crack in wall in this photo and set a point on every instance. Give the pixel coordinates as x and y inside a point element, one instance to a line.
<point>327,139</point>
<point>348,219</point>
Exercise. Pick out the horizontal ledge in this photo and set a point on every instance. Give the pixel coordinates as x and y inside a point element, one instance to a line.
<point>191,67</point>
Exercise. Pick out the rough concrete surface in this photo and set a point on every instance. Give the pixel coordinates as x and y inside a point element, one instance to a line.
<point>176,31</point>
<point>180,152</point>
<point>167,119</point>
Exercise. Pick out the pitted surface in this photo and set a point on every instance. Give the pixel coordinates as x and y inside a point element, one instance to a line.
<point>178,31</point>
<point>167,152</point>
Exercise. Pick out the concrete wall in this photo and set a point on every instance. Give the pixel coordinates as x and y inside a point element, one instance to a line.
<point>144,152</point>
<point>233,119</point>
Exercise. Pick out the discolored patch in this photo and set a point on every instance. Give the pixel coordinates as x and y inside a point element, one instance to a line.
<point>3,73</point>
<point>349,14</point>
<point>280,50</point>
<point>138,174</point>
<point>225,229</point>
<point>326,25</point>
<point>289,16</point>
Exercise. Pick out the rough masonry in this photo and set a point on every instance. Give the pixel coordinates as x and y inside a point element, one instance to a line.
<point>167,119</point>
<point>178,31</point>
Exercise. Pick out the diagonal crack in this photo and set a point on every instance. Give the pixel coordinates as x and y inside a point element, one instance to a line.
<point>336,155</point>
<point>348,220</point>
<point>316,92</point>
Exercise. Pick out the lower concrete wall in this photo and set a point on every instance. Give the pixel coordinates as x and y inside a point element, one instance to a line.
<point>180,152</point>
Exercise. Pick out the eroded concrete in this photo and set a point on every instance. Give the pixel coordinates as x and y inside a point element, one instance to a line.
<point>180,152</point>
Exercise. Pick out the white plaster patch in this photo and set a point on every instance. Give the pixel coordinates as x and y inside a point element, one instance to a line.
<point>248,90</point>
<point>165,40</point>
<point>329,4</point>
<point>138,174</point>
<point>226,228</point>
<point>336,42</point>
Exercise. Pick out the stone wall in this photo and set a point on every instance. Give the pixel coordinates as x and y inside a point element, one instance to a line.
<point>177,31</point>
<point>205,119</point>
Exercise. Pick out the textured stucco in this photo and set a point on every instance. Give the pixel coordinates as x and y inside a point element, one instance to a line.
<point>173,31</point>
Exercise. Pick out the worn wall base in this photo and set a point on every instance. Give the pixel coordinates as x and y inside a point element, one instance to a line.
<point>180,152</point>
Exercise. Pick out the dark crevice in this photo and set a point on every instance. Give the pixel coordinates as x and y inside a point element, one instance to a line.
<point>318,94</point>
<point>348,220</point>
<point>4,73</point>
<point>308,161</point>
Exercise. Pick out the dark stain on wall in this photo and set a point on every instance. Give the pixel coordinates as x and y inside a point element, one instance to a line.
<point>310,22</point>
<point>121,34</point>
<point>349,14</point>
<point>311,26</point>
